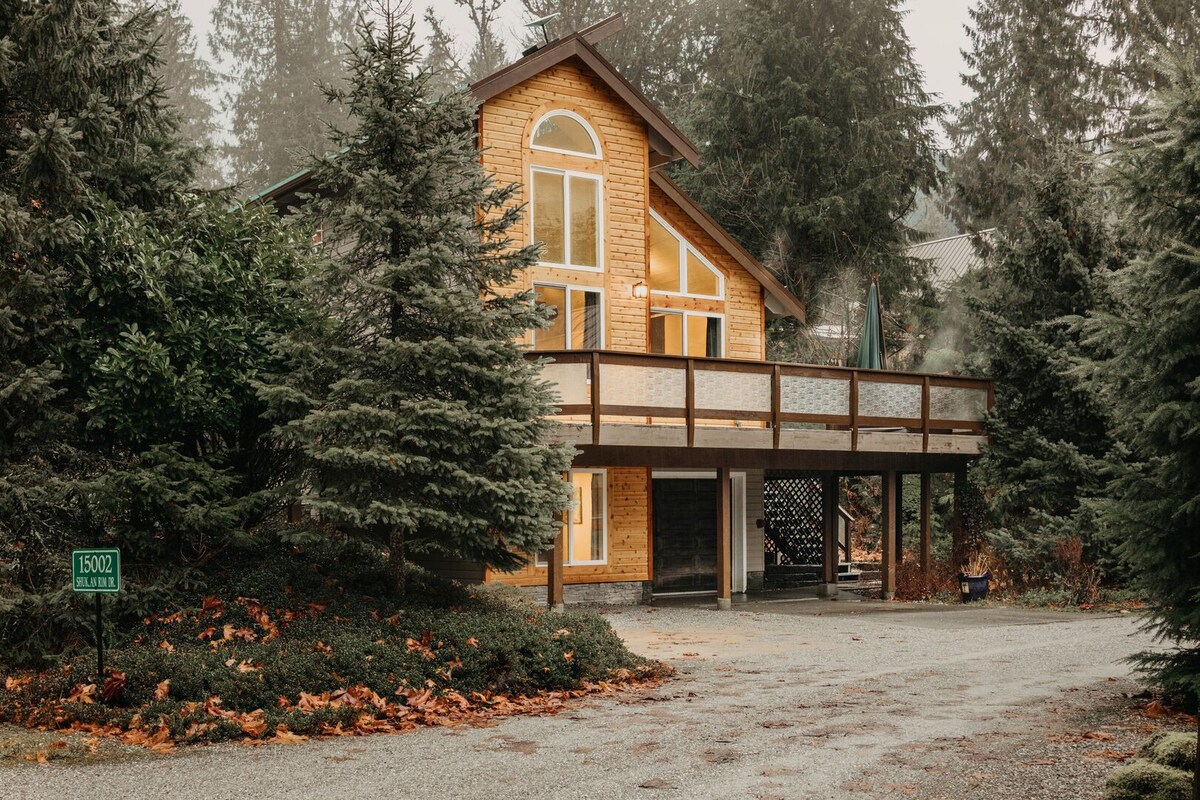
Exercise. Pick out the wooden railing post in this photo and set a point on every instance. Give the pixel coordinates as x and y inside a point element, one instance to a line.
<point>595,398</point>
<point>690,403</point>
<point>776,404</point>
<point>925,414</point>
<point>854,410</point>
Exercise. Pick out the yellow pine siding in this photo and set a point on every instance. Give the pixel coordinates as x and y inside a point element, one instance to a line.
<point>506,124</point>
<point>743,304</point>
<point>628,538</point>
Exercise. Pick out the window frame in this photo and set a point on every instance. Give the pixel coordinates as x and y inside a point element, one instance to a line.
<point>566,175</point>
<point>568,288</point>
<point>587,126</point>
<point>537,557</point>
<point>684,248</point>
<point>685,313</point>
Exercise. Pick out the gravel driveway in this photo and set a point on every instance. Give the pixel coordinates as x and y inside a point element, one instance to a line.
<point>797,699</point>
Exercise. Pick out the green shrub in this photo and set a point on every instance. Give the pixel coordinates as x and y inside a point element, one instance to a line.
<point>1169,749</point>
<point>1143,780</point>
<point>271,625</point>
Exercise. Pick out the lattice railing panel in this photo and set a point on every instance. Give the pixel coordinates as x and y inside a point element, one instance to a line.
<point>570,382</point>
<point>879,399</point>
<point>792,510</point>
<point>625,385</point>
<point>800,394</point>
<point>733,391</point>
<point>953,402</point>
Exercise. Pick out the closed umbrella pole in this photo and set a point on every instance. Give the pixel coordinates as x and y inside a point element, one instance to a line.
<point>871,353</point>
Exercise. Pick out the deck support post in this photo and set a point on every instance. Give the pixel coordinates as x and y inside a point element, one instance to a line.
<point>829,530</point>
<point>888,535</point>
<point>899,517</point>
<point>554,573</point>
<point>926,524</point>
<point>724,540</point>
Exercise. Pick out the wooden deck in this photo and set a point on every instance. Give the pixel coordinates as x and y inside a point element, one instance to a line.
<point>633,400</point>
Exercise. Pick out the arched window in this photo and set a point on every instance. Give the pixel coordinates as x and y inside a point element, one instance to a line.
<point>565,132</point>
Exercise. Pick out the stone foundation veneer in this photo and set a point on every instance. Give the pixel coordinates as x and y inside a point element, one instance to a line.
<point>619,593</point>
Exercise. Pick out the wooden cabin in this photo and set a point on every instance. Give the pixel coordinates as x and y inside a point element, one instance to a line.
<point>658,353</point>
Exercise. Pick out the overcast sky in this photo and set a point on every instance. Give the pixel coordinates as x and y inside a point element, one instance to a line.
<point>935,28</point>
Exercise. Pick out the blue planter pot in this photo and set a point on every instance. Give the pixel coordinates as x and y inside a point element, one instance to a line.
<point>973,587</point>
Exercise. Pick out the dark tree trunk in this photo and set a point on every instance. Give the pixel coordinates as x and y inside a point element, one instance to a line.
<point>958,531</point>
<point>396,560</point>
<point>1196,765</point>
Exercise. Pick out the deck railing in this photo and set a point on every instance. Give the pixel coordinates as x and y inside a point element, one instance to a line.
<point>599,384</point>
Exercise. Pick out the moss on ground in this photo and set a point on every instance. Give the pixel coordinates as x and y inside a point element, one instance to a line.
<point>1145,780</point>
<point>1169,749</point>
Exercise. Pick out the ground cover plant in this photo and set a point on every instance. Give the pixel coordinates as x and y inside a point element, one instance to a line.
<point>312,640</point>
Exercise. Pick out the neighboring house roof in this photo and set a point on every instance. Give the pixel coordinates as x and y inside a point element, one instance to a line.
<point>952,257</point>
<point>785,301</point>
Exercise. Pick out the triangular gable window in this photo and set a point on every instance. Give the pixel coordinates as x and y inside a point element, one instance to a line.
<point>678,268</point>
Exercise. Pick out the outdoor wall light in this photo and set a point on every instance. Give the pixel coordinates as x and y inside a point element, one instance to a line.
<point>640,291</point>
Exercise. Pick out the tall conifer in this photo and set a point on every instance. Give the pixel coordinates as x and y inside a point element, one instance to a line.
<point>815,132</point>
<point>417,415</point>
<point>1049,433</point>
<point>1153,375</point>
<point>277,54</point>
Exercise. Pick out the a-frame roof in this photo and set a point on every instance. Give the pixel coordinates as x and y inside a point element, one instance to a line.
<point>786,302</point>
<point>667,143</point>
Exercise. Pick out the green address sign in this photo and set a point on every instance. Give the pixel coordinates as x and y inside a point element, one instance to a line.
<point>96,571</point>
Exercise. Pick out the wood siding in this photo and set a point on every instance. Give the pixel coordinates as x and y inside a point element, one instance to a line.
<point>505,126</point>
<point>755,550</point>
<point>743,305</point>
<point>628,540</point>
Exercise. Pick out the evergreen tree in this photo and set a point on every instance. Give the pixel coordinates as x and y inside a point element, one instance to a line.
<point>1137,30</point>
<point>1035,83</point>
<point>78,130</point>
<point>187,77</point>
<point>1152,375</point>
<point>131,316</point>
<point>441,60</point>
<point>815,132</point>
<point>659,51</point>
<point>277,54</point>
<point>1049,433</point>
<point>487,55</point>
<point>417,415</point>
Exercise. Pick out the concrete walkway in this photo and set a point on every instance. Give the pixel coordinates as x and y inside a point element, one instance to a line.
<point>776,699</point>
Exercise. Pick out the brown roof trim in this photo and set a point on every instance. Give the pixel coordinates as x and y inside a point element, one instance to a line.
<point>751,264</point>
<point>577,45</point>
<point>599,31</point>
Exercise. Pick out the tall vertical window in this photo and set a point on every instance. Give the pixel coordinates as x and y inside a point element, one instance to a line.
<point>678,268</point>
<point>585,522</point>
<point>566,217</point>
<point>685,333</point>
<point>575,318</point>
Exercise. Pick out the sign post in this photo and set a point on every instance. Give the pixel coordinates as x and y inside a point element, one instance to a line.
<point>97,571</point>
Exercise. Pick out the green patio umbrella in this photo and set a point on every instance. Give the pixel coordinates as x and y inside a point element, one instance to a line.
<point>870,347</point>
